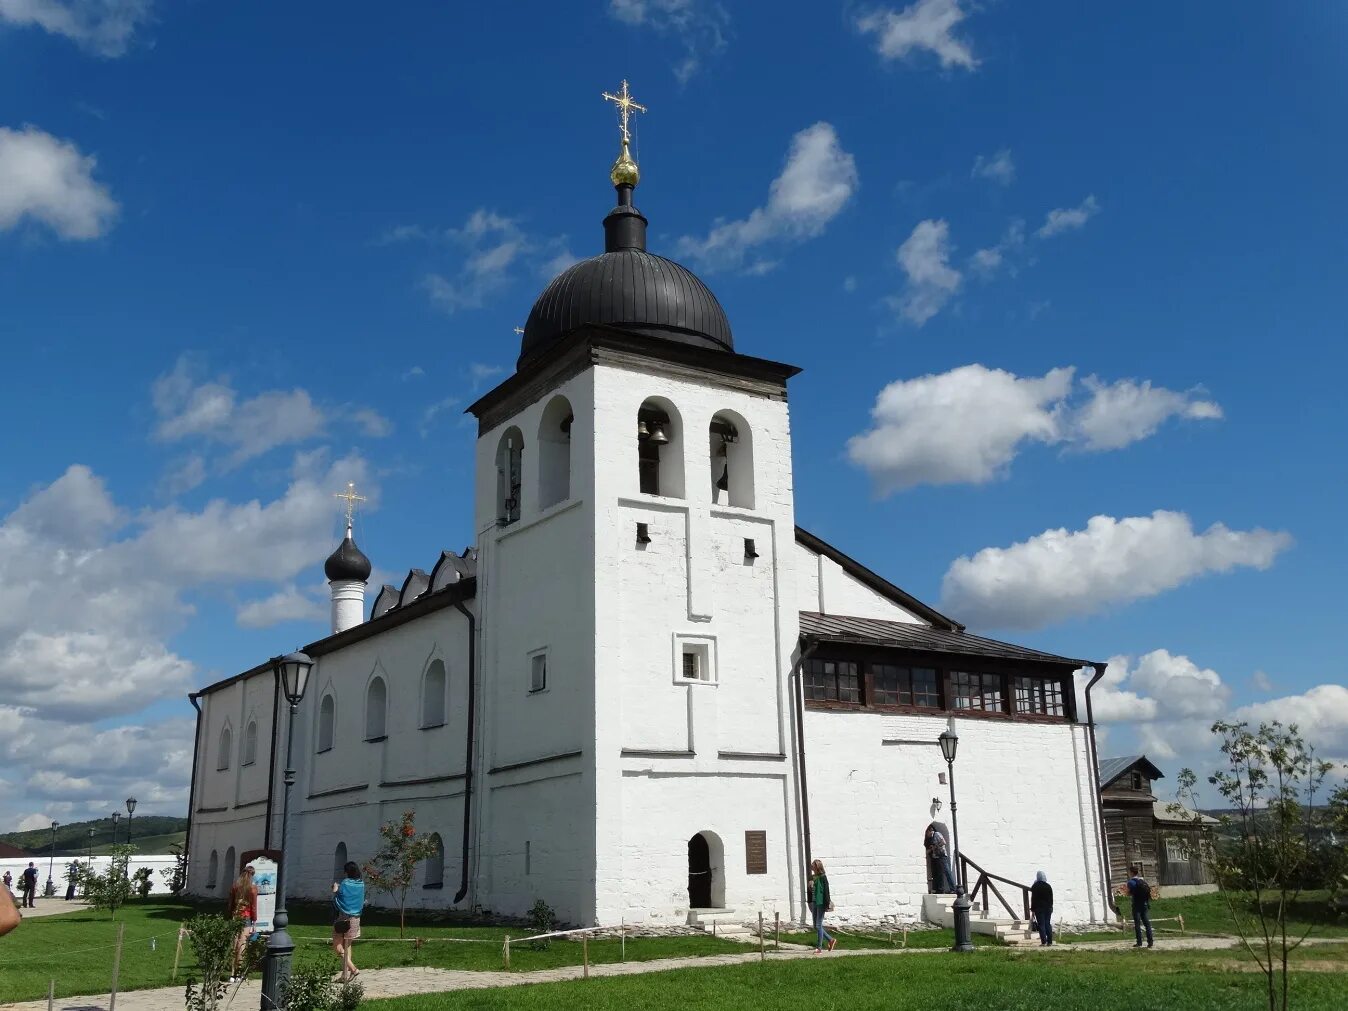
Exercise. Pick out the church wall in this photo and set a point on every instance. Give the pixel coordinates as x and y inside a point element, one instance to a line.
<point>691,584</point>
<point>1023,792</point>
<point>825,586</point>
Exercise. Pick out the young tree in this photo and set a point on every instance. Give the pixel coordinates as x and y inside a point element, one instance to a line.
<point>111,889</point>
<point>1265,852</point>
<point>394,867</point>
<point>175,877</point>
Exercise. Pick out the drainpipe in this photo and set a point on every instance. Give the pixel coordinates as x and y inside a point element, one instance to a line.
<point>468,761</point>
<point>808,646</point>
<point>271,765</point>
<point>193,698</point>
<point>1095,788</point>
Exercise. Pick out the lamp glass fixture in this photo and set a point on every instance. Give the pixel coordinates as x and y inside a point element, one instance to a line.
<point>130,805</point>
<point>949,743</point>
<point>293,670</point>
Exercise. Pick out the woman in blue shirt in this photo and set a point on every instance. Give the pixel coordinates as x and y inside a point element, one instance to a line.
<point>348,895</point>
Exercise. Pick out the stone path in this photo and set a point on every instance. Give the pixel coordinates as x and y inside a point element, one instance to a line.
<point>52,907</point>
<point>423,980</point>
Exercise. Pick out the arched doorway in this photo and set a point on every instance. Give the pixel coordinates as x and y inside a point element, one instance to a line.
<point>699,872</point>
<point>706,871</point>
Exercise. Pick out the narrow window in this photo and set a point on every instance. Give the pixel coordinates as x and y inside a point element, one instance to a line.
<point>659,449</point>
<point>538,672</point>
<point>434,865</point>
<point>732,461</point>
<point>509,468</point>
<point>327,718</point>
<point>1137,781</point>
<point>339,862</point>
<point>554,453</point>
<point>231,871</point>
<point>376,710</point>
<point>528,858</point>
<point>226,747</point>
<point>433,696</point>
<point>695,661</point>
<point>213,870</point>
<point>249,743</point>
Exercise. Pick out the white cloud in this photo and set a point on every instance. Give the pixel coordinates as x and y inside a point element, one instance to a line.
<point>967,425</point>
<point>491,245</point>
<point>1321,714</point>
<point>372,423</point>
<point>286,604</point>
<point>51,181</point>
<point>433,411</point>
<point>926,25</point>
<point>183,476</point>
<point>817,181</point>
<point>1261,681</point>
<point>1006,253</point>
<point>700,26</point>
<point>932,281</point>
<point>1062,573</point>
<point>416,371</point>
<point>556,264</point>
<point>998,167</point>
<point>481,373</point>
<point>1068,219</point>
<point>103,27</point>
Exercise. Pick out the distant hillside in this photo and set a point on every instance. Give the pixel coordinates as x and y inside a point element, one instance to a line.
<point>149,834</point>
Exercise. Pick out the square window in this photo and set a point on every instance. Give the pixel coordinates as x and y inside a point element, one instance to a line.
<point>538,672</point>
<point>832,681</point>
<point>694,660</point>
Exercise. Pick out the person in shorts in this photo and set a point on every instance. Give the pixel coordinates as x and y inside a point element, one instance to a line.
<point>348,895</point>
<point>243,906</point>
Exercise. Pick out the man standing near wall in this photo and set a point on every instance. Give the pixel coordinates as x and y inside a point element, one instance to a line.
<point>29,879</point>
<point>1140,892</point>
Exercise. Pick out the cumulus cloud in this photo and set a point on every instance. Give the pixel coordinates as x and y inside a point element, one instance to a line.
<point>102,27</point>
<point>968,424</point>
<point>1068,219</point>
<point>1169,697</point>
<point>1062,573</point>
<point>286,604</point>
<point>700,26</point>
<point>998,167</point>
<point>925,26</point>
<point>932,281</point>
<point>1005,254</point>
<point>50,181</point>
<point>817,181</point>
<point>1321,714</point>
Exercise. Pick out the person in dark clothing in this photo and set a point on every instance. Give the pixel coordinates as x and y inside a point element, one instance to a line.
<point>1041,907</point>
<point>938,857</point>
<point>29,879</point>
<point>821,902</point>
<point>1140,892</point>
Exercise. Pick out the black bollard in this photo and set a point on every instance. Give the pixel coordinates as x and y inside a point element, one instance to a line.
<point>961,910</point>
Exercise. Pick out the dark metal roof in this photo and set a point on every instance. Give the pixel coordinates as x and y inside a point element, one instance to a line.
<point>1112,768</point>
<point>347,562</point>
<point>874,631</point>
<point>632,289</point>
<point>875,581</point>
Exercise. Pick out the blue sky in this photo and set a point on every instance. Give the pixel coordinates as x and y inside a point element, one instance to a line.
<point>1040,263</point>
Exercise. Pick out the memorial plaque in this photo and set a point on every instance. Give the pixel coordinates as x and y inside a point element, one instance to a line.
<point>756,852</point>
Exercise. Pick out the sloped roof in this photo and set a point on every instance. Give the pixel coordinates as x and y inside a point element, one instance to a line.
<point>875,631</point>
<point>1160,810</point>
<point>11,852</point>
<point>1112,768</point>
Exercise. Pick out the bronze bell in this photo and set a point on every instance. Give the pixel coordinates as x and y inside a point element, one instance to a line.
<point>642,431</point>
<point>658,434</point>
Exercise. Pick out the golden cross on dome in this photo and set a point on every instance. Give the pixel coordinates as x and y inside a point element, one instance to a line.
<point>350,498</point>
<point>519,330</point>
<point>626,106</point>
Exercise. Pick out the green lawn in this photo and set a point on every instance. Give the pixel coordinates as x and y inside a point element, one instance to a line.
<point>76,950</point>
<point>993,978</point>
<point>880,939</point>
<point>1211,914</point>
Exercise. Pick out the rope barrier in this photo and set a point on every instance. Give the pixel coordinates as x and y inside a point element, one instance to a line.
<point>62,953</point>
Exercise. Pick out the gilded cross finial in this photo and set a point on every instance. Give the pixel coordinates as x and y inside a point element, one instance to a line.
<point>350,498</point>
<point>519,331</point>
<point>626,106</point>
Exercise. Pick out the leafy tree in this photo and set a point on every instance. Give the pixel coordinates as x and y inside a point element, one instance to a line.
<point>112,888</point>
<point>212,937</point>
<point>394,867</point>
<point>141,881</point>
<point>175,877</point>
<point>1266,849</point>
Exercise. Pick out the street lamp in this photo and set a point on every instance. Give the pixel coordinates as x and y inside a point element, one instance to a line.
<point>130,813</point>
<point>51,887</point>
<point>115,816</point>
<point>292,674</point>
<point>950,742</point>
<point>91,847</point>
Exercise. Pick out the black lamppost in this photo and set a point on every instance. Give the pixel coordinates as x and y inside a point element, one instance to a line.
<point>950,743</point>
<point>51,886</point>
<point>292,673</point>
<point>130,813</point>
<point>91,847</point>
<point>116,815</point>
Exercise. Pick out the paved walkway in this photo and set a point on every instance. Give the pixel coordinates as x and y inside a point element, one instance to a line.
<point>422,980</point>
<point>52,907</point>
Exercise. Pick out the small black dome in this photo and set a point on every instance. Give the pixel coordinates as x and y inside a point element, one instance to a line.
<point>347,562</point>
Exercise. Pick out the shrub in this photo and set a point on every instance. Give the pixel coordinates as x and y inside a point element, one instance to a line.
<point>543,919</point>
<point>311,988</point>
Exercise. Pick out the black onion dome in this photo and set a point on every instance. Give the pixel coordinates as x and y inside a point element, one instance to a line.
<point>627,287</point>
<point>347,562</point>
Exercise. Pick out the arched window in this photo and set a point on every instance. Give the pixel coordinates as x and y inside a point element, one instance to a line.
<point>231,872</point>
<point>732,460</point>
<point>659,449</point>
<point>433,696</point>
<point>213,870</point>
<point>339,862</point>
<point>376,710</point>
<point>249,743</point>
<point>509,468</point>
<point>434,865</point>
<point>226,748</point>
<point>327,718</point>
<point>554,453</point>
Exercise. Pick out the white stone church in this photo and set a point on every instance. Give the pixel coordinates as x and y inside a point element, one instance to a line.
<point>644,692</point>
